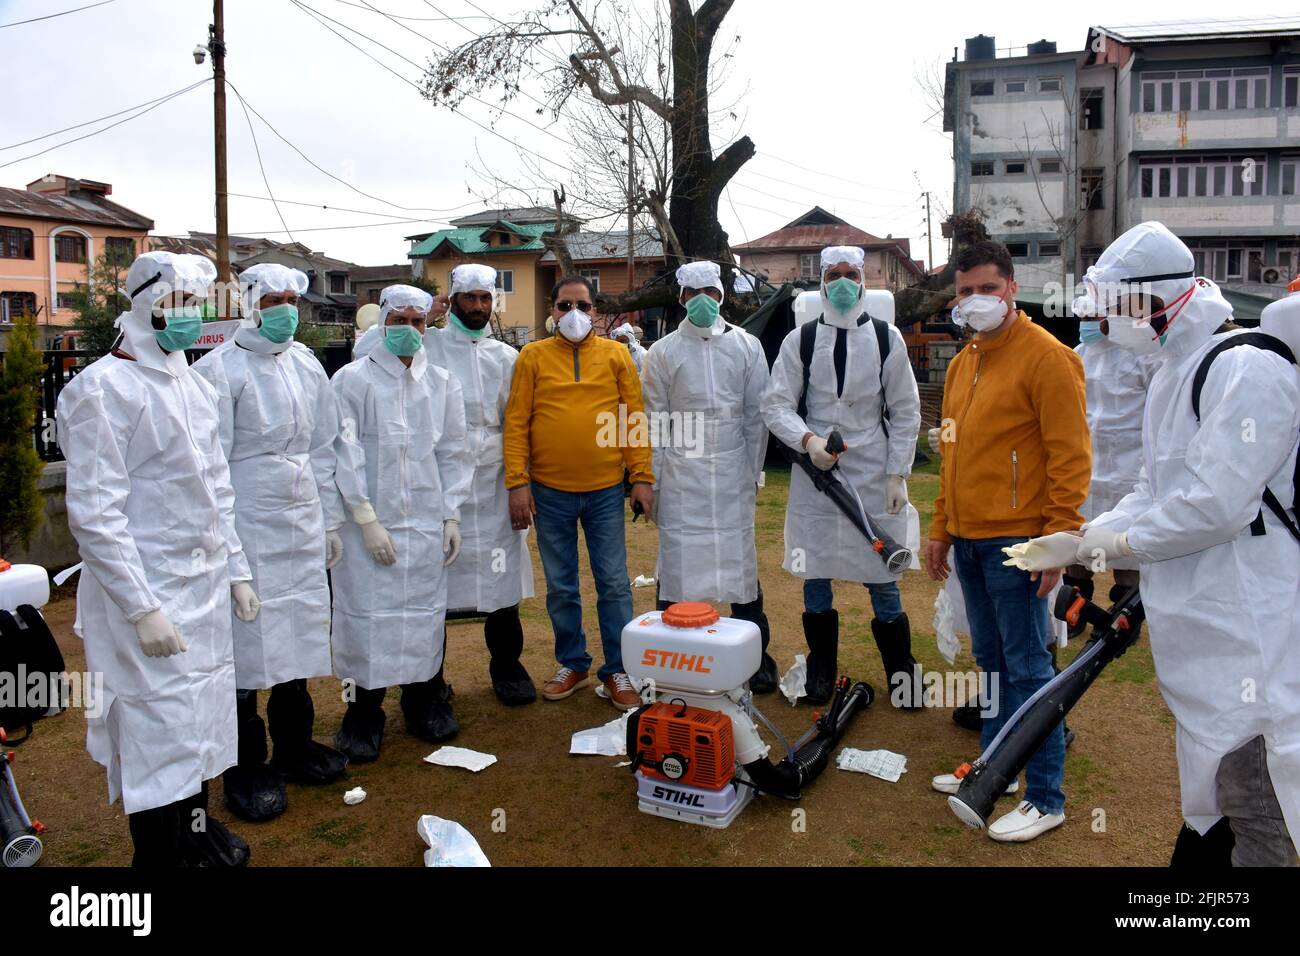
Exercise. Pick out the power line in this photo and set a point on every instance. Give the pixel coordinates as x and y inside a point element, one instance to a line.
<point>77,139</point>
<point>326,207</point>
<point>96,119</point>
<point>258,151</point>
<point>51,16</point>
<point>818,172</point>
<point>398,16</point>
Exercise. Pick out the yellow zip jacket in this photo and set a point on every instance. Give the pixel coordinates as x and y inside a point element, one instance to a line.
<point>1017,456</point>
<point>575,418</point>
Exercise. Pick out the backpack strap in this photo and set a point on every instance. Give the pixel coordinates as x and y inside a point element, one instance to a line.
<point>807,341</point>
<point>882,344</point>
<point>1267,343</point>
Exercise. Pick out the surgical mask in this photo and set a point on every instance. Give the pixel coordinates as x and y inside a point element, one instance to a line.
<point>980,312</point>
<point>1090,332</point>
<point>184,326</point>
<point>402,340</point>
<point>703,310</point>
<point>460,324</point>
<point>278,323</point>
<point>843,294</point>
<point>574,325</point>
<point>1136,335</point>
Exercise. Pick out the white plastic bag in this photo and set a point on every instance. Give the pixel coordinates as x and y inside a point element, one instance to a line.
<point>609,740</point>
<point>884,764</point>
<point>450,844</point>
<point>794,683</point>
<point>460,757</point>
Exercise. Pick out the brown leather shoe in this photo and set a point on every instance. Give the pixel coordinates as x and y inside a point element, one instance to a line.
<point>564,683</point>
<point>622,692</point>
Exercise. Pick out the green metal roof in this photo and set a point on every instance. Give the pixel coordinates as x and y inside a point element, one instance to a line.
<point>470,241</point>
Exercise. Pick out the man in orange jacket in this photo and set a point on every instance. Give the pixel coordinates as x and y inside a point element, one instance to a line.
<point>1016,463</point>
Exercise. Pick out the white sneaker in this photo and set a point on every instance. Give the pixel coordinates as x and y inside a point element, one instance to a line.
<point>948,783</point>
<point>1023,824</point>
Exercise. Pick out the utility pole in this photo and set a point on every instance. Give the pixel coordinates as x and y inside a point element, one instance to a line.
<point>217,46</point>
<point>631,196</point>
<point>929,241</point>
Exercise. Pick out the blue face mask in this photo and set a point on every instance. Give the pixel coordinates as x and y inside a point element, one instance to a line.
<point>843,294</point>
<point>703,310</point>
<point>184,326</point>
<point>1090,332</point>
<point>279,322</point>
<point>402,340</point>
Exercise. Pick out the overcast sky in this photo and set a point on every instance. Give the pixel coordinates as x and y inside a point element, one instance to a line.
<point>828,86</point>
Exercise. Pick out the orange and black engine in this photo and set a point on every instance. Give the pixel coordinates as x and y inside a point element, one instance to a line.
<point>688,745</point>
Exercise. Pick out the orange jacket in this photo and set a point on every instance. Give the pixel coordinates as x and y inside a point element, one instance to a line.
<point>575,417</point>
<point>1017,457</point>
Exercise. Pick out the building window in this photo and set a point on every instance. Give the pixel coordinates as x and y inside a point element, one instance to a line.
<point>373,296</point>
<point>981,88</point>
<point>120,250</point>
<point>592,276</point>
<point>983,167</point>
<point>1049,85</point>
<point>1091,195</point>
<point>1014,167</point>
<point>506,280</point>
<point>1015,86</point>
<point>1050,166</point>
<point>1290,169</point>
<point>1018,250</point>
<point>1243,88</point>
<point>1049,250</point>
<point>1088,256</point>
<point>16,243</point>
<point>809,265</point>
<point>66,300</point>
<point>69,248</point>
<point>1291,87</point>
<point>338,283</point>
<point>1186,176</point>
<point>16,303</point>
<point>1229,262</point>
<point>1090,109</point>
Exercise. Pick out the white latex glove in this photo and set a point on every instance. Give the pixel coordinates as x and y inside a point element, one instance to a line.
<point>333,548</point>
<point>1103,544</point>
<point>895,494</point>
<point>816,448</point>
<point>246,603</point>
<point>932,436</point>
<point>379,543</point>
<point>450,540</point>
<point>158,636</point>
<point>1043,554</point>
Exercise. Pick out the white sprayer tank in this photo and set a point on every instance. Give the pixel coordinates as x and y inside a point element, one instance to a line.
<point>690,648</point>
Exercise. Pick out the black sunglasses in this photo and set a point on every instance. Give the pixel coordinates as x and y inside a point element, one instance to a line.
<point>567,306</point>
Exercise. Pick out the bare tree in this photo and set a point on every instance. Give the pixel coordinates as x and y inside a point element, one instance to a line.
<point>602,67</point>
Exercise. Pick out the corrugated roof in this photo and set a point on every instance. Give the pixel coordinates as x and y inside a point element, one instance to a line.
<point>1220,27</point>
<point>80,207</point>
<point>523,215</point>
<point>470,241</point>
<point>586,246</point>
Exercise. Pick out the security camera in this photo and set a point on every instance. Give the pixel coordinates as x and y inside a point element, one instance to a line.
<point>200,54</point>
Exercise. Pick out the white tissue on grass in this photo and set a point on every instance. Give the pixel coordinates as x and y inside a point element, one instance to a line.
<point>460,757</point>
<point>354,796</point>
<point>945,634</point>
<point>642,581</point>
<point>608,740</point>
<point>884,764</point>
<point>794,683</point>
<point>450,844</point>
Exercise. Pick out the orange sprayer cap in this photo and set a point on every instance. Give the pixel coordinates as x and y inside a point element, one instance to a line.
<point>690,614</point>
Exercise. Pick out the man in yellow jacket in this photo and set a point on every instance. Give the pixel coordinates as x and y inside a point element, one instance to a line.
<point>1016,464</point>
<point>574,422</point>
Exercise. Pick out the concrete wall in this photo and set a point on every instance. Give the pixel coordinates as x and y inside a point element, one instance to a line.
<point>53,547</point>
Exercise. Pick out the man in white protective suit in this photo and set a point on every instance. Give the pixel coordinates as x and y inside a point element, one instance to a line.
<point>845,386</point>
<point>627,335</point>
<point>1212,525</point>
<point>278,426</point>
<point>403,471</point>
<point>703,386</point>
<point>150,503</point>
<point>494,572</point>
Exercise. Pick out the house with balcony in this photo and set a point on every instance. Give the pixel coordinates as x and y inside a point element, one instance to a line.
<point>51,232</point>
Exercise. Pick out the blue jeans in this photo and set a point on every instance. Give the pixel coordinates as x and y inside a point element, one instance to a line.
<point>1009,635</point>
<point>601,516</point>
<point>885,599</point>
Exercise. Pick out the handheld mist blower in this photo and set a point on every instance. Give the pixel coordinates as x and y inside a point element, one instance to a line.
<point>20,842</point>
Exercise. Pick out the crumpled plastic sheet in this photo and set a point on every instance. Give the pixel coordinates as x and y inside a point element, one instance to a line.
<point>450,844</point>
<point>945,634</point>
<point>884,764</point>
<point>794,683</point>
<point>608,740</point>
<point>460,757</point>
<point>643,581</point>
<point>354,796</point>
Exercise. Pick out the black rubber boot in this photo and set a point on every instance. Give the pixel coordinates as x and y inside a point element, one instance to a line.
<point>903,673</point>
<point>254,791</point>
<point>205,841</point>
<point>1211,851</point>
<point>427,709</point>
<point>766,678</point>
<point>967,717</point>
<point>505,642</point>
<point>821,629</point>
<point>155,834</point>
<point>290,714</point>
<point>1085,586</point>
<point>362,732</point>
